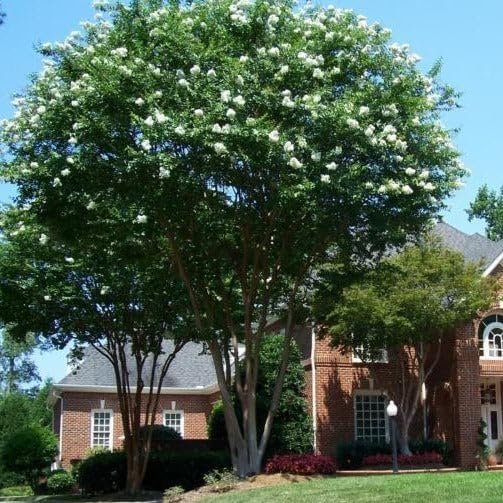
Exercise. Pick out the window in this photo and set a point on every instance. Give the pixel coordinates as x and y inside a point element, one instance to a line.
<point>361,355</point>
<point>102,428</point>
<point>371,422</point>
<point>491,337</point>
<point>174,419</point>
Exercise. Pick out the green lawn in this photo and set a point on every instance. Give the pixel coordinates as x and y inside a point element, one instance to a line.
<point>467,487</point>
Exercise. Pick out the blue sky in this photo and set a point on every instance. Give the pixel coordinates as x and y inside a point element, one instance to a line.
<point>467,36</point>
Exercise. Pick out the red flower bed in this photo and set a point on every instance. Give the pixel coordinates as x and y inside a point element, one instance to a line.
<point>300,464</point>
<point>427,458</point>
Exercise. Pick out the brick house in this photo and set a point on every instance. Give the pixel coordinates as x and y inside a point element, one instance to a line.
<point>346,397</point>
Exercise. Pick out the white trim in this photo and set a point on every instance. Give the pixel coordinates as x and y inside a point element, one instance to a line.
<point>182,419</point>
<point>208,390</point>
<point>382,359</point>
<point>486,410</point>
<point>61,417</point>
<point>485,337</point>
<point>493,265</point>
<point>111,412</point>
<point>371,393</point>
<point>313,390</point>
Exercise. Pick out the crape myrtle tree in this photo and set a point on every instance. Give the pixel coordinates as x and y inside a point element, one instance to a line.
<point>253,137</point>
<point>408,305</point>
<point>488,205</point>
<point>124,304</point>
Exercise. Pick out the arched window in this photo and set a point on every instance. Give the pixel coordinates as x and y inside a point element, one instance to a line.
<point>491,337</point>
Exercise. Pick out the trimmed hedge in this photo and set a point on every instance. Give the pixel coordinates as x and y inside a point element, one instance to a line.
<point>60,483</point>
<point>426,458</point>
<point>301,464</point>
<point>162,436</point>
<point>106,472</point>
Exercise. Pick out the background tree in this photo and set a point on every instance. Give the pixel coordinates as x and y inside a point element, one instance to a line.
<point>125,305</point>
<point>2,15</point>
<point>408,305</point>
<point>16,366</point>
<point>251,139</point>
<point>488,205</point>
<point>294,433</point>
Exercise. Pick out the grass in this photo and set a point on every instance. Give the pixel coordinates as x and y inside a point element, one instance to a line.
<point>467,487</point>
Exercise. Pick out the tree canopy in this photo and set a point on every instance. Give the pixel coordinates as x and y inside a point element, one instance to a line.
<point>407,305</point>
<point>488,205</point>
<point>244,138</point>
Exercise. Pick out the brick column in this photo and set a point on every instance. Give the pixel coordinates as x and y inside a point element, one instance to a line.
<point>467,401</point>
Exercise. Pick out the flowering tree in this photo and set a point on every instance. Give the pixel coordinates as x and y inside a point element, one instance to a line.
<point>126,310</point>
<point>408,305</point>
<point>250,139</point>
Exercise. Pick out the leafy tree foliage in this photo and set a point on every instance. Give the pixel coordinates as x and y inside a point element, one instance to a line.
<point>245,139</point>
<point>29,451</point>
<point>488,206</point>
<point>293,433</point>
<point>408,305</point>
<point>16,366</point>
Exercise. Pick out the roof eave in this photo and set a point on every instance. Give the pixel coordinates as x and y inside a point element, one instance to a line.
<point>493,265</point>
<point>86,388</point>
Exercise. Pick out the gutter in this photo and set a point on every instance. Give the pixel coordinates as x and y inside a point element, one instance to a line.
<point>61,409</point>
<point>493,265</point>
<point>313,388</point>
<point>86,388</point>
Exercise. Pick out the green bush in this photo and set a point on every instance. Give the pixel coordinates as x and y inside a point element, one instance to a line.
<point>29,452</point>
<point>8,492</point>
<point>292,430</point>
<point>420,446</point>
<point>103,472</point>
<point>10,479</point>
<point>106,472</point>
<point>162,436</point>
<point>60,483</point>
<point>173,494</point>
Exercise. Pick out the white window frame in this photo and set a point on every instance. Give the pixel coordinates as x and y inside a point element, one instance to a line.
<point>111,412</point>
<point>498,323</point>
<point>365,392</point>
<point>182,419</point>
<point>383,358</point>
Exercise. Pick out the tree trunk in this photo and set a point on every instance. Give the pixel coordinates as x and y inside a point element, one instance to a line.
<point>135,461</point>
<point>403,438</point>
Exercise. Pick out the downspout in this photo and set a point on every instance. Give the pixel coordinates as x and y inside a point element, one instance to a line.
<point>60,397</point>
<point>313,386</point>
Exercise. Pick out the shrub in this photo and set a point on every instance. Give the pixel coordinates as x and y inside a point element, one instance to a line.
<point>349,455</point>
<point>426,458</point>
<point>29,451</point>
<point>8,492</point>
<point>162,436</point>
<point>421,446</point>
<point>221,481</point>
<point>292,431</point>
<point>183,468</point>
<point>60,483</point>
<point>103,472</point>
<point>301,464</point>
<point>173,494</point>
<point>10,479</point>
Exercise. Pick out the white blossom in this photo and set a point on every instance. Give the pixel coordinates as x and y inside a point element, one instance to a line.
<point>225,96</point>
<point>41,109</point>
<point>69,260</point>
<point>104,290</point>
<point>43,239</point>
<point>120,51</point>
<point>274,135</point>
<point>272,20</point>
<point>149,121</point>
<point>56,182</point>
<point>75,103</point>
<point>239,100</point>
<point>180,130</point>
<point>65,172</point>
<point>216,128</point>
<point>406,189</point>
<point>284,69</point>
<point>164,172</point>
<point>211,73</point>
<point>243,59</point>
<point>160,117</point>
<point>198,112</point>
<point>410,171</point>
<point>90,205</point>
<point>424,174</point>
<point>364,110</point>
<point>195,70</point>
<point>316,156</point>
<point>295,163</point>
<point>220,148</point>
<point>353,123</point>
<point>47,298</point>
<point>318,73</point>
<point>287,102</point>
<point>33,165</point>
<point>288,147</point>
<point>231,113</point>
<point>325,178</point>
<point>240,81</point>
<point>183,83</point>
<point>70,160</point>
<point>145,145</point>
<point>141,219</point>
<point>429,187</point>
<point>72,140</point>
<point>273,51</point>
<point>331,166</point>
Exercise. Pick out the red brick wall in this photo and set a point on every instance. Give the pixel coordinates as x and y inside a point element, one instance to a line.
<point>77,419</point>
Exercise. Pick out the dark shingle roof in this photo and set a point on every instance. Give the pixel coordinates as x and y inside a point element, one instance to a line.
<point>191,368</point>
<point>474,247</point>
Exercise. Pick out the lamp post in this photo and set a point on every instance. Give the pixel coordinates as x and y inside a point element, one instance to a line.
<point>392,411</point>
